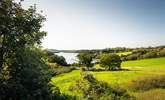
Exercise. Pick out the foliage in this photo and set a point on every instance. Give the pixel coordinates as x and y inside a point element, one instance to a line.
<point>143,53</point>
<point>23,72</point>
<point>61,70</point>
<point>112,61</point>
<point>162,53</point>
<point>29,77</point>
<point>116,50</point>
<point>57,69</point>
<point>57,59</point>
<point>48,53</point>
<point>18,28</point>
<point>138,68</point>
<point>85,59</point>
<point>151,54</point>
<point>130,53</point>
<point>93,89</point>
<point>93,69</point>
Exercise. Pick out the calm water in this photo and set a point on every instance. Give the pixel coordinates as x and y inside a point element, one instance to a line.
<point>70,57</point>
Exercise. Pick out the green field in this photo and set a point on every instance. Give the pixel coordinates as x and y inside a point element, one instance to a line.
<point>124,53</point>
<point>136,69</point>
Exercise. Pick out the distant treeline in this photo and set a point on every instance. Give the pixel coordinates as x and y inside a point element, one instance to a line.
<point>143,53</point>
<point>106,50</point>
<point>136,53</point>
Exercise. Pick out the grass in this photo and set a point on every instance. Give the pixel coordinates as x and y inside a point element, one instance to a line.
<point>136,68</point>
<point>147,66</point>
<point>124,53</point>
<point>155,94</point>
<point>63,81</point>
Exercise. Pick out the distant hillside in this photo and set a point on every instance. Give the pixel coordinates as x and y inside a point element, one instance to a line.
<point>106,50</point>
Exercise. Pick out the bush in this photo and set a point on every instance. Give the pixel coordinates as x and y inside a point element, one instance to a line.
<point>83,69</point>
<point>92,69</point>
<point>93,89</point>
<point>145,53</point>
<point>162,53</point>
<point>57,59</point>
<point>61,70</point>
<point>147,83</point>
<point>151,54</point>
<point>29,77</point>
<point>97,69</point>
<point>133,56</point>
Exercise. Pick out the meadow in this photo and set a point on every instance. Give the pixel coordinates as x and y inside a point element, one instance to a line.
<point>123,53</point>
<point>135,69</point>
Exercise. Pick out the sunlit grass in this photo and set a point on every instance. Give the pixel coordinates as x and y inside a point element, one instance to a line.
<point>63,81</point>
<point>155,94</point>
<point>122,78</point>
<point>124,53</point>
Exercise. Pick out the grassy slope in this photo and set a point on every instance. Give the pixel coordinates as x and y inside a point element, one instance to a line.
<point>137,68</point>
<point>124,53</point>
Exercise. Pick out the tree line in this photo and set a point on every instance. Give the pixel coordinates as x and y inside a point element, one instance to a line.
<point>110,61</point>
<point>143,53</point>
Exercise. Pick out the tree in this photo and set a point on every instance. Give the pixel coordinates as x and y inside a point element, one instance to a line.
<point>57,59</point>
<point>85,59</point>
<point>112,61</point>
<point>23,72</point>
<point>18,28</point>
<point>29,77</point>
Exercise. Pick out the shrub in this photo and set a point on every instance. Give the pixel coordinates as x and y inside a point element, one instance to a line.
<point>147,83</point>
<point>83,69</point>
<point>151,54</point>
<point>162,53</point>
<point>61,70</point>
<point>93,89</point>
<point>133,56</point>
<point>57,59</point>
<point>97,69</point>
<point>92,69</point>
<point>28,78</point>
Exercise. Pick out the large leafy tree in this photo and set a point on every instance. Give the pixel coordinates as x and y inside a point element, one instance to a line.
<point>57,59</point>
<point>23,72</point>
<point>110,61</point>
<point>18,28</point>
<point>85,59</point>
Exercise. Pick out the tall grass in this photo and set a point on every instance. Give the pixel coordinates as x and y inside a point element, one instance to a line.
<point>148,83</point>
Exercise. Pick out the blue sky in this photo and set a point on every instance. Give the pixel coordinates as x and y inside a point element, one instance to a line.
<point>95,24</point>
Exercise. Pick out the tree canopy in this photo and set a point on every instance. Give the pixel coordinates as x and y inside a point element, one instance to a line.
<point>85,59</point>
<point>112,61</point>
<point>23,73</point>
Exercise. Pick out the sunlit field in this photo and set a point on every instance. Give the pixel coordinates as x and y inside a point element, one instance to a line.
<point>136,69</point>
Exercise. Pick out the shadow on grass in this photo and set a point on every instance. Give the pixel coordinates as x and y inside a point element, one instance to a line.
<point>102,70</point>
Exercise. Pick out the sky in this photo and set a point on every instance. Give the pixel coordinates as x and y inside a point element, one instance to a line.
<point>97,24</point>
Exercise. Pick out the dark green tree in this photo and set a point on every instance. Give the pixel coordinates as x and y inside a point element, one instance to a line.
<point>18,28</point>
<point>85,59</point>
<point>110,61</point>
<point>57,59</point>
<point>23,72</point>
